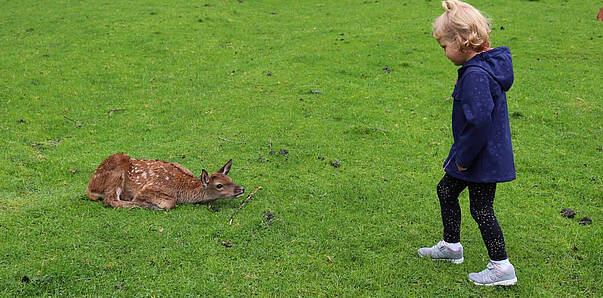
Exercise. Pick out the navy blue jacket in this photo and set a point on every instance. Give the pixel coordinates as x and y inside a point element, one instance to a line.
<point>480,119</point>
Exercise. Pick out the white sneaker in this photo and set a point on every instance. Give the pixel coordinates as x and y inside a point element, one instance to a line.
<point>494,275</point>
<point>442,252</point>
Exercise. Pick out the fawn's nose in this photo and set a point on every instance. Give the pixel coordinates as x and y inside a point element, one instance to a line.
<point>239,191</point>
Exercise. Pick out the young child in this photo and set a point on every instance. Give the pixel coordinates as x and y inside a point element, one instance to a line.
<point>481,154</point>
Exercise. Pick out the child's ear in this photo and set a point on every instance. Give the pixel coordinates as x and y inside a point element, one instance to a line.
<point>460,43</point>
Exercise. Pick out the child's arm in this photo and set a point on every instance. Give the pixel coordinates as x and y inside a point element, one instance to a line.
<point>477,105</point>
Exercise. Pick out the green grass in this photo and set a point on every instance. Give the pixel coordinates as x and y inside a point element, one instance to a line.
<point>201,82</point>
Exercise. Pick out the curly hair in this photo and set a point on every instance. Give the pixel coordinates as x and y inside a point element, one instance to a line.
<point>464,24</point>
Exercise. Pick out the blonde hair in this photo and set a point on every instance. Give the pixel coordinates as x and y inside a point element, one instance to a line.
<point>464,24</point>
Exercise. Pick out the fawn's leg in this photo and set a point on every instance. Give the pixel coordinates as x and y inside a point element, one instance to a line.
<point>99,184</point>
<point>154,196</point>
<point>107,175</point>
<point>127,204</point>
<point>113,187</point>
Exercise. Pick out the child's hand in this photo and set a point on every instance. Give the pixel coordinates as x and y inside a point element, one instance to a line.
<point>461,168</point>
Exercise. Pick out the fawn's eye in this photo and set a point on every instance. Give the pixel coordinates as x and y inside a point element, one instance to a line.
<point>218,186</point>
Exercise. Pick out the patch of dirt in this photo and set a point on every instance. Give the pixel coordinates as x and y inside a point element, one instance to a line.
<point>225,243</point>
<point>567,212</point>
<point>586,221</point>
<point>269,215</point>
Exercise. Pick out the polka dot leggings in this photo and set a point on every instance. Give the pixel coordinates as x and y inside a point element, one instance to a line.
<point>481,199</point>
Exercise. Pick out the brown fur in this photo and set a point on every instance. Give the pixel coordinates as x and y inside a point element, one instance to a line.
<point>122,181</point>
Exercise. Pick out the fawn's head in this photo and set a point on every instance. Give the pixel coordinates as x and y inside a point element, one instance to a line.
<point>220,186</point>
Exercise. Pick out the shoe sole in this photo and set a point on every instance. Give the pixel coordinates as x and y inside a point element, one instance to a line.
<point>455,261</point>
<point>508,282</point>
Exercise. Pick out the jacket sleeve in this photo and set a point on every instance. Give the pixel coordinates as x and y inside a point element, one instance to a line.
<point>477,105</point>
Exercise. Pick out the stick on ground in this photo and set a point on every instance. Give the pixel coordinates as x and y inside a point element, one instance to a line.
<point>114,110</point>
<point>224,139</point>
<point>243,204</point>
<point>73,120</point>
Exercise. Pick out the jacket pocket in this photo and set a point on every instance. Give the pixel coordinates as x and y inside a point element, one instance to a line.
<point>451,159</point>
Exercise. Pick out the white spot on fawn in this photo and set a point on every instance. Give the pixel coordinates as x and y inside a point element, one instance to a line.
<point>144,175</point>
<point>167,178</point>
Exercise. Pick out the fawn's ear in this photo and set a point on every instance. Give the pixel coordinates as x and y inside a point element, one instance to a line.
<point>204,178</point>
<point>226,168</point>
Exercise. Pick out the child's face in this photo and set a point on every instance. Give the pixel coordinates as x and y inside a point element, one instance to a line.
<point>452,50</point>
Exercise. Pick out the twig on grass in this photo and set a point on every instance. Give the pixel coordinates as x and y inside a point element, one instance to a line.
<point>271,152</point>
<point>243,204</point>
<point>115,110</point>
<point>73,120</point>
<point>229,140</point>
<point>224,139</point>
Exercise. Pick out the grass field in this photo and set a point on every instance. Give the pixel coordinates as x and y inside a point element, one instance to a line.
<point>359,82</point>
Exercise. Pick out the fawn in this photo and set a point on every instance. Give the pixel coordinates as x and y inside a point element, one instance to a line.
<point>122,181</point>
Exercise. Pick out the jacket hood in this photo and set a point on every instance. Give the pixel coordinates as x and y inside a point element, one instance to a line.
<point>497,62</point>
